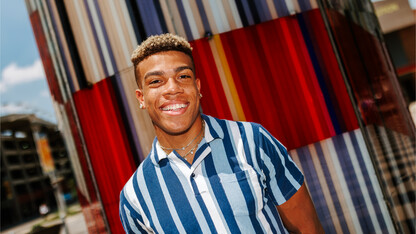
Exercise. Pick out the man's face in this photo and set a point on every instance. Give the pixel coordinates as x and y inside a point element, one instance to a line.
<point>170,92</point>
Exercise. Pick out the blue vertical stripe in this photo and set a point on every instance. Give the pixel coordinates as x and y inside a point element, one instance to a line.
<point>149,17</point>
<point>353,185</point>
<point>331,188</point>
<point>185,23</point>
<point>203,15</point>
<point>281,8</point>
<point>315,189</point>
<point>369,185</point>
<point>328,94</point>
<point>106,39</point>
<point>304,5</point>
<point>97,42</point>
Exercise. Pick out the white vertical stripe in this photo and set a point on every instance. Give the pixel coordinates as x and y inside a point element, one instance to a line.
<point>290,6</point>
<point>130,30</point>
<point>314,4</point>
<point>288,175</point>
<point>373,178</point>
<point>101,39</point>
<point>169,202</point>
<point>218,13</point>
<point>272,9</point>
<point>324,187</point>
<point>223,17</point>
<point>86,41</point>
<point>361,182</point>
<point>191,19</point>
<point>131,196</point>
<point>278,195</point>
<point>32,6</point>
<point>296,6</point>
<point>253,180</point>
<point>183,175</point>
<point>120,33</point>
<point>148,200</point>
<point>238,144</point>
<point>234,12</point>
<point>248,128</point>
<point>216,217</point>
<point>344,187</point>
<point>336,183</point>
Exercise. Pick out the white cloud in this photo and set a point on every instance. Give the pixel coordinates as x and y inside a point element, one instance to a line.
<point>14,108</point>
<point>14,75</point>
<point>45,93</point>
<point>26,108</point>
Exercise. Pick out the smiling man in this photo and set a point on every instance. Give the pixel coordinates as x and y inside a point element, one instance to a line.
<point>203,174</point>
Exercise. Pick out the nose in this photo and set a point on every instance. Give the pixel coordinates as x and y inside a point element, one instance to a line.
<point>172,87</point>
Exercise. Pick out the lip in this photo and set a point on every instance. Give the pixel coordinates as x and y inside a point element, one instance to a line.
<point>174,108</point>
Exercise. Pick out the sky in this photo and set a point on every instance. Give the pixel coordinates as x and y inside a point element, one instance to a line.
<point>23,85</point>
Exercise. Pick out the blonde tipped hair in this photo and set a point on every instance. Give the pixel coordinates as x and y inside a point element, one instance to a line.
<point>159,43</point>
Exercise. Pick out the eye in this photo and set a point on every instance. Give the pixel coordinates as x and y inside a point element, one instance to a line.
<point>154,82</point>
<point>184,77</point>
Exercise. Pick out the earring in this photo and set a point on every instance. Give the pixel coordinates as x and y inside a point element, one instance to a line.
<point>200,95</point>
<point>141,106</point>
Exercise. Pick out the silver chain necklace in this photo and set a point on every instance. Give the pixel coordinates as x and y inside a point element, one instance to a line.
<point>186,146</point>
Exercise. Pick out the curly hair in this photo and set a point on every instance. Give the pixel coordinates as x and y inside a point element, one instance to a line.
<point>159,43</point>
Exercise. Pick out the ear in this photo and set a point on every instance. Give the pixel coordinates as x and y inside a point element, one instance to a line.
<point>140,97</point>
<point>198,84</point>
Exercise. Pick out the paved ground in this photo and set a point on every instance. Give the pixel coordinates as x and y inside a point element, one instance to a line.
<point>75,225</point>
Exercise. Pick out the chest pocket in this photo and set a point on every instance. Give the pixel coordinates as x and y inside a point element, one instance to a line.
<point>243,192</point>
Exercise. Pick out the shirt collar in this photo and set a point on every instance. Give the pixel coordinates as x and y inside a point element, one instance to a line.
<point>212,131</point>
<point>212,128</point>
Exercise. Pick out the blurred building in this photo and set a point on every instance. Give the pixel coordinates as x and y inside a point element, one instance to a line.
<point>24,185</point>
<point>316,73</point>
<point>397,21</point>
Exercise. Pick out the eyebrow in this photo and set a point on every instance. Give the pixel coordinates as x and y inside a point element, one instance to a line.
<point>160,73</point>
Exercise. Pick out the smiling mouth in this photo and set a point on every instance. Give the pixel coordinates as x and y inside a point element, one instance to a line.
<point>174,107</point>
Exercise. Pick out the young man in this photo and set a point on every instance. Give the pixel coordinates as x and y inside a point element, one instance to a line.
<point>206,175</point>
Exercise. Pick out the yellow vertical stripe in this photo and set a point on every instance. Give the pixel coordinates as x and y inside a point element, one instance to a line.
<point>227,79</point>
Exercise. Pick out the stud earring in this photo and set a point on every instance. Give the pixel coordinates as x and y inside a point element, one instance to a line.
<point>141,106</point>
<point>200,95</point>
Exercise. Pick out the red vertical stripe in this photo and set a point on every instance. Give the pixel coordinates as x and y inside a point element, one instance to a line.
<point>214,101</point>
<point>334,75</point>
<point>107,145</point>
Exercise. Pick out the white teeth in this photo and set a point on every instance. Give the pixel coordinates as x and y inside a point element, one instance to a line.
<point>174,107</point>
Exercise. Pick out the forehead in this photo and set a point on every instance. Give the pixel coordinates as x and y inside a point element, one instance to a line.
<point>163,61</point>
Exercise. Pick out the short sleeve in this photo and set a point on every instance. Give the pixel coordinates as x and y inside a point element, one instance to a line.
<point>130,219</point>
<point>283,177</point>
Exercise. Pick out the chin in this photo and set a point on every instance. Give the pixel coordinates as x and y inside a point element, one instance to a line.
<point>173,128</point>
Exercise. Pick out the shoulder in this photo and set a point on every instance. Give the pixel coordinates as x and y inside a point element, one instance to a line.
<point>227,125</point>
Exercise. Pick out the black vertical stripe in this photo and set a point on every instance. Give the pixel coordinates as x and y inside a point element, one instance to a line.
<point>160,16</point>
<point>241,13</point>
<point>137,22</point>
<point>72,46</point>
<point>254,12</point>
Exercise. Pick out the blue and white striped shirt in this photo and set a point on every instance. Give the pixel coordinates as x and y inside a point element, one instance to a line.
<point>239,174</point>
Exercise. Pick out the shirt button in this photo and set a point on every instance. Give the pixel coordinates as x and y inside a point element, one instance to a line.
<point>193,175</point>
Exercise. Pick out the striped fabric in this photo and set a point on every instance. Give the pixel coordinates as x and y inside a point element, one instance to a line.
<point>240,173</point>
<point>280,58</point>
<point>256,48</point>
<point>106,32</point>
<point>396,162</point>
<point>343,185</point>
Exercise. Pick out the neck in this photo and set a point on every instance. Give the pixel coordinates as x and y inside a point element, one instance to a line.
<point>177,141</point>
